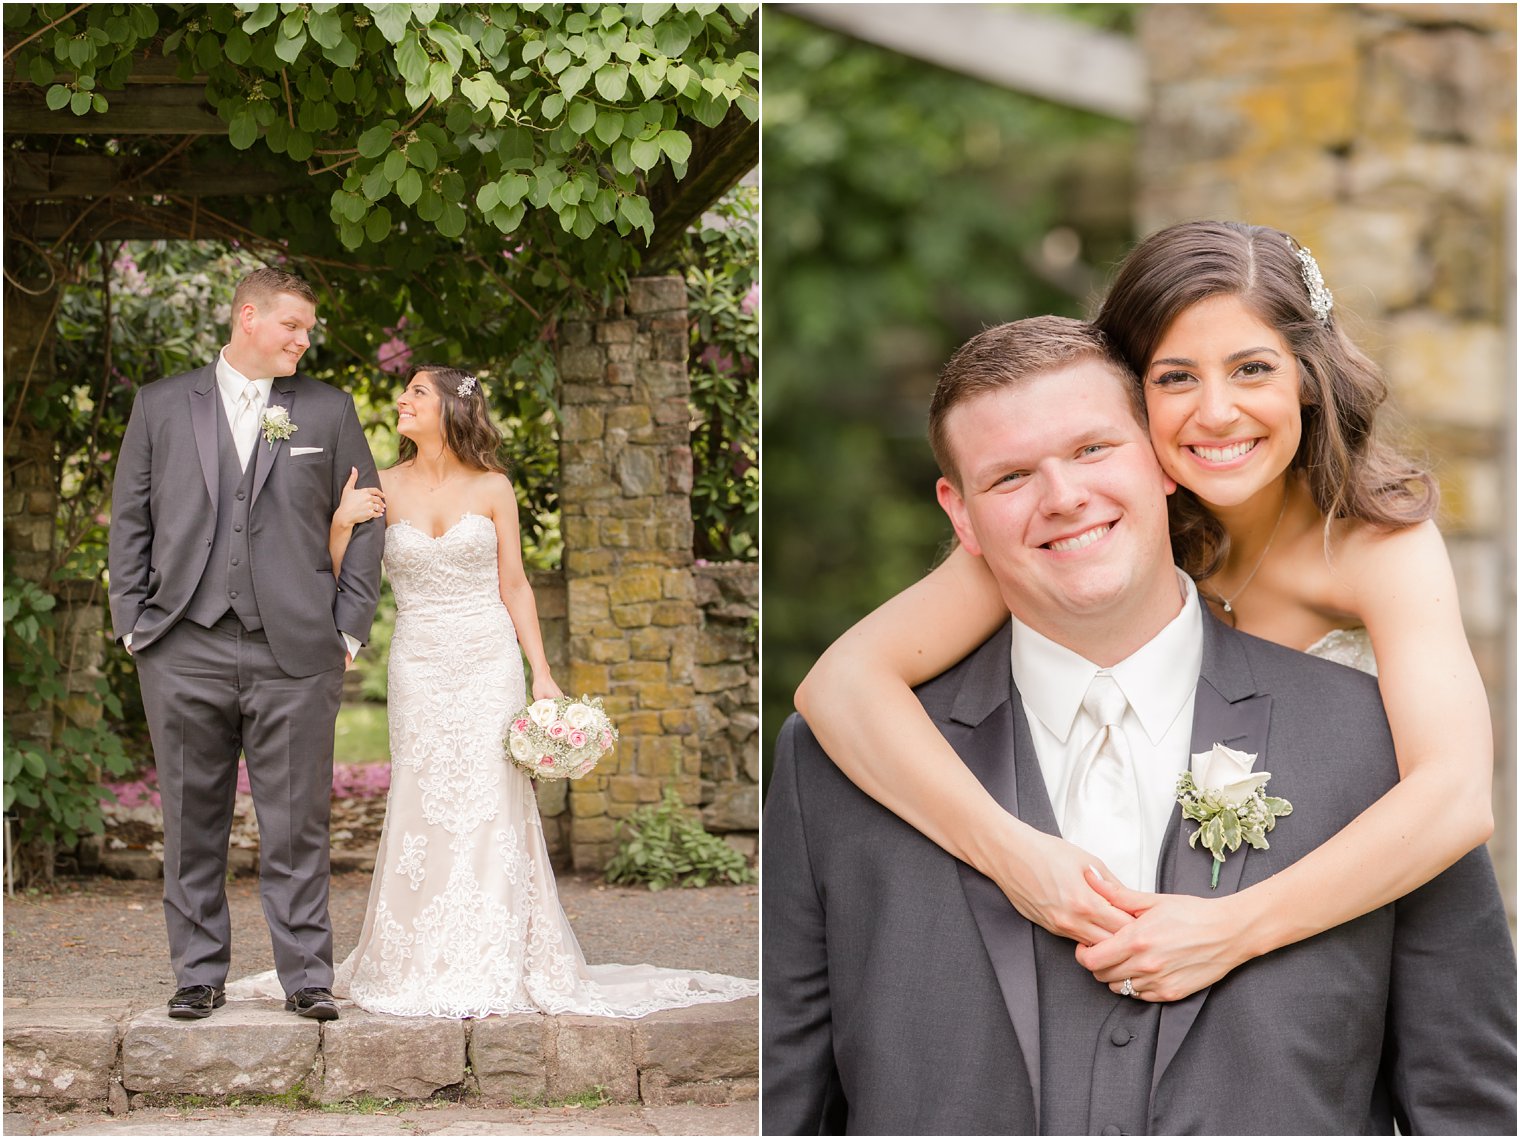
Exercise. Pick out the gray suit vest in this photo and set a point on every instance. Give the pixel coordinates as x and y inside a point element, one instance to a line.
<point>1097,1050</point>
<point>228,580</point>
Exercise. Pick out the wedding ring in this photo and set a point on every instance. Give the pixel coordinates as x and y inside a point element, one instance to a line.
<point>1127,989</point>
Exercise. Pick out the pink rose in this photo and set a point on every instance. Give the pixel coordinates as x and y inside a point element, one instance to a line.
<point>577,738</point>
<point>520,724</point>
<point>546,761</point>
<point>607,738</point>
<point>558,730</point>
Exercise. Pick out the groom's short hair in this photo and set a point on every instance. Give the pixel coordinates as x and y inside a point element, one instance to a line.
<point>1007,355</point>
<point>263,285</point>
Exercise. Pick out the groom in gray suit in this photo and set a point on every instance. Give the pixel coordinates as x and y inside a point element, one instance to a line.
<point>223,592</point>
<point>904,994</point>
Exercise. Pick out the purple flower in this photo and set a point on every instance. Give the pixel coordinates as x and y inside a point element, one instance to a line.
<point>751,299</point>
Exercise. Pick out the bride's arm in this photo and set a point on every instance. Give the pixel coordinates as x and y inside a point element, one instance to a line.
<point>858,702</point>
<point>355,507</point>
<point>516,593</point>
<point>1441,808</point>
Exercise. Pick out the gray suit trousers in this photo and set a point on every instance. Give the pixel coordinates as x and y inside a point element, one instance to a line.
<point>209,694</point>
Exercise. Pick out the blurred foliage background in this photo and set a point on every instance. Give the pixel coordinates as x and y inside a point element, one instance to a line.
<point>905,209</point>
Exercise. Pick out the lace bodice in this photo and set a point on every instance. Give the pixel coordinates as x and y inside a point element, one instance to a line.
<point>1351,647</point>
<point>450,577</point>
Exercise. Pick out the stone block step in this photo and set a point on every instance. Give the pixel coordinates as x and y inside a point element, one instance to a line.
<point>102,1055</point>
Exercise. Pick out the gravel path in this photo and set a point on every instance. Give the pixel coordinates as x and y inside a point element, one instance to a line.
<point>99,938</point>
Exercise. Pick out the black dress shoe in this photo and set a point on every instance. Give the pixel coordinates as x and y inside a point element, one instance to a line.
<point>196,1001</point>
<point>315,1003</point>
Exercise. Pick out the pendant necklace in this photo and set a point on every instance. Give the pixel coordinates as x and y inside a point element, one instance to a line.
<point>1227,602</point>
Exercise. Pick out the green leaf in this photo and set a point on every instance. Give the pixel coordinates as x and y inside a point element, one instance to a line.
<point>572,79</point>
<point>391,19</point>
<point>582,116</point>
<point>672,37</point>
<point>512,188</point>
<point>409,187</point>
<point>557,60</point>
<point>430,205</point>
<point>451,222</point>
<point>376,185</point>
<point>645,152</point>
<point>57,97</point>
<point>508,219</point>
<point>378,225</point>
<point>352,236</point>
<point>423,155</point>
<point>567,217</point>
<point>262,17</point>
<point>412,60</point>
<point>343,84</point>
<point>612,82</point>
<point>493,39</point>
<point>675,144</point>
<point>709,111</point>
<point>532,49</point>
<point>375,141</point>
<point>343,55</point>
<point>551,106</point>
<point>487,197</point>
<point>609,127</point>
<point>440,81</point>
<point>243,129</point>
<point>394,165</point>
<point>42,72</point>
<point>290,49</point>
<point>326,28</point>
<point>237,47</point>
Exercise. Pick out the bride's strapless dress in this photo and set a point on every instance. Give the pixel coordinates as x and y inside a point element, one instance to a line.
<point>1350,647</point>
<point>464,919</point>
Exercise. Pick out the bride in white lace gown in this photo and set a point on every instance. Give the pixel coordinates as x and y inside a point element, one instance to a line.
<point>463,918</point>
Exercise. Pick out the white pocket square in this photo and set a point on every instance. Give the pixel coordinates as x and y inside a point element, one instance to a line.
<point>294,451</point>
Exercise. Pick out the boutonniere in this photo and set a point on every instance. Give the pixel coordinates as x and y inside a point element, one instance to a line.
<point>277,425</point>
<point>1231,806</point>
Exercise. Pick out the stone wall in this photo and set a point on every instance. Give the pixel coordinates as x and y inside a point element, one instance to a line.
<point>1382,136</point>
<point>625,486</point>
<point>727,681</point>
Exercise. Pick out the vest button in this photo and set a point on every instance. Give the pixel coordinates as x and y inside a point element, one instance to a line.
<point>238,528</point>
<point>240,496</point>
<point>1121,1037</point>
<point>234,561</point>
<point>1111,1130</point>
<point>233,595</point>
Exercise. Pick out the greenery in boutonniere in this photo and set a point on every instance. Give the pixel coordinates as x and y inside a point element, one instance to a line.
<point>1230,815</point>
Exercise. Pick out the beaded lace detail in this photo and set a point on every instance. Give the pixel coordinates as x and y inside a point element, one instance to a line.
<point>1350,647</point>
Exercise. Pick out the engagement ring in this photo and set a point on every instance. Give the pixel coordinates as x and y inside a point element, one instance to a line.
<point>1127,989</point>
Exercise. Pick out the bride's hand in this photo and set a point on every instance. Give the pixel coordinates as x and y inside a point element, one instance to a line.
<point>359,504</point>
<point>1045,879</point>
<point>1176,945</point>
<point>544,687</point>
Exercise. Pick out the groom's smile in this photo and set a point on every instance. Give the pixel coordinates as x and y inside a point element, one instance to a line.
<point>1062,495</point>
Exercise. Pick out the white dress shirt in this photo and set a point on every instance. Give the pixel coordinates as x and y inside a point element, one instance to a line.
<point>1159,680</point>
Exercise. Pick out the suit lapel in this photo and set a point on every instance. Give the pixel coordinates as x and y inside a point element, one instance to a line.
<point>281,394</point>
<point>205,405</point>
<point>987,729</point>
<point>1228,709</point>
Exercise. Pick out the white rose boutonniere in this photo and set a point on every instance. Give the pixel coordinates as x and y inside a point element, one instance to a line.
<point>1229,802</point>
<point>277,425</point>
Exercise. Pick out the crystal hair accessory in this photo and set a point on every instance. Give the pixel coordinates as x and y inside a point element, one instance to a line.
<point>1321,299</point>
<point>466,387</point>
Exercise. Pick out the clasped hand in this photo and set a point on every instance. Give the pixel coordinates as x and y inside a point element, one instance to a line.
<point>1167,945</point>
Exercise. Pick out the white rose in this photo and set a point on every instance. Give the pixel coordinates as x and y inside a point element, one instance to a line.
<point>519,747</point>
<point>579,716</point>
<point>1228,771</point>
<point>542,713</point>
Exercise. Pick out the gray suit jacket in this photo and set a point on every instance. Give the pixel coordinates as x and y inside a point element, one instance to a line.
<point>900,992</point>
<point>163,512</point>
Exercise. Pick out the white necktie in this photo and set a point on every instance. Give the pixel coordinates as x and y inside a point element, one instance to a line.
<point>1102,799</point>
<point>245,425</point>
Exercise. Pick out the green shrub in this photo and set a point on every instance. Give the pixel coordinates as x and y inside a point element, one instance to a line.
<point>665,843</point>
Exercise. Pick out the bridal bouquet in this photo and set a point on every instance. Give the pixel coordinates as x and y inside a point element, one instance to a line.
<point>560,738</point>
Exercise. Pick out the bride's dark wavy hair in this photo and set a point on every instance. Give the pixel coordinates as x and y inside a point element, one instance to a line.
<point>467,427</point>
<point>1352,472</point>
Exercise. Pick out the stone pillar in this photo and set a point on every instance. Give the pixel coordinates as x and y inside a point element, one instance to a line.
<point>625,486</point>
<point>1382,136</point>
<point>727,681</point>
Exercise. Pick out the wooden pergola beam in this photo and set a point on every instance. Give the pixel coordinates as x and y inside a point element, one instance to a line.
<point>33,175</point>
<point>148,109</point>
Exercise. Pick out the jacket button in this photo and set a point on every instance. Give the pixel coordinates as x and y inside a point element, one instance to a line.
<point>1121,1037</point>
<point>240,496</point>
<point>234,561</point>
<point>233,595</point>
<point>1111,1130</point>
<point>238,528</point>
